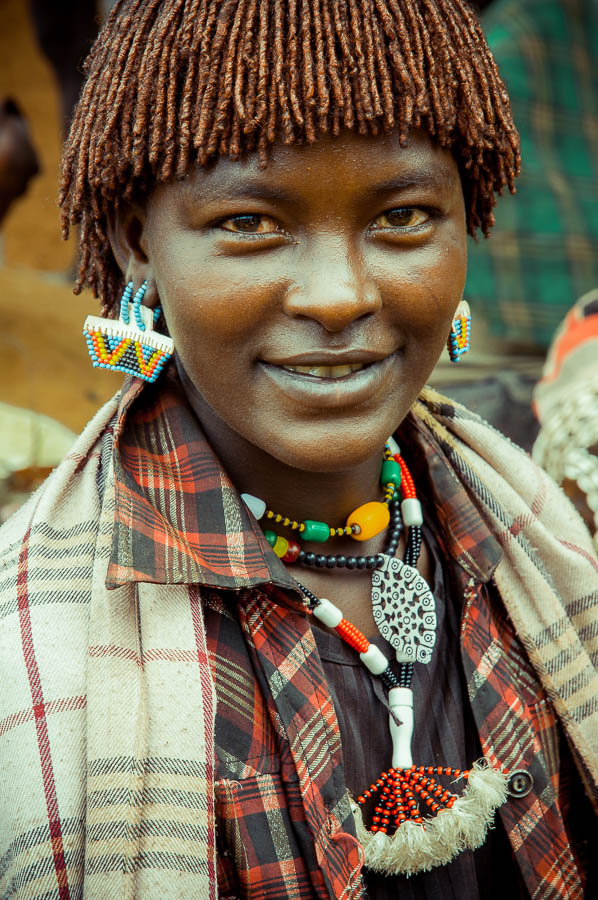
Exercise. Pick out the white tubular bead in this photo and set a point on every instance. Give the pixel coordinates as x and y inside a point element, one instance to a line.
<point>411,510</point>
<point>329,614</point>
<point>401,703</point>
<point>393,446</point>
<point>374,659</point>
<point>254,504</point>
<point>400,696</point>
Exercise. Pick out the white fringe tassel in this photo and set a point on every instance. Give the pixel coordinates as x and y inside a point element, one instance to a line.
<point>419,848</point>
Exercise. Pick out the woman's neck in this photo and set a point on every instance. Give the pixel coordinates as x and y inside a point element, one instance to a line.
<point>327,496</point>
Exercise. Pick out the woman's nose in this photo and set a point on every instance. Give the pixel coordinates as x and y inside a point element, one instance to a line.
<point>334,292</point>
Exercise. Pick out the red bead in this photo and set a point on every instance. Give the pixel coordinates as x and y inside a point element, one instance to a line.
<point>292,553</point>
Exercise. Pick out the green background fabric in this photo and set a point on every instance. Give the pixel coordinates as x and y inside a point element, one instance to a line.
<point>543,252</point>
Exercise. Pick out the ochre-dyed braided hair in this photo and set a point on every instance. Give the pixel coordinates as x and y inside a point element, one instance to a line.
<point>176,83</point>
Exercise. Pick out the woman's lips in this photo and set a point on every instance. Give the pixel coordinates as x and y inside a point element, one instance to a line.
<point>330,386</point>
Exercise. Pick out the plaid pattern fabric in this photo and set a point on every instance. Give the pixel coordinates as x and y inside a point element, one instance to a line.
<point>543,251</point>
<point>109,729</point>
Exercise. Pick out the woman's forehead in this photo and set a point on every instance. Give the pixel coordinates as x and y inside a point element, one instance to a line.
<point>347,163</point>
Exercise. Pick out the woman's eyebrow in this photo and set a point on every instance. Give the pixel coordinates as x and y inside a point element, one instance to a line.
<point>243,189</point>
<point>423,178</point>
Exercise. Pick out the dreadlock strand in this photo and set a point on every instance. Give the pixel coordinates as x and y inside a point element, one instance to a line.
<point>261,94</point>
<point>333,62</point>
<point>270,130</point>
<point>405,74</point>
<point>163,58</point>
<point>476,82</point>
<point>190,38</point>
<point>370,57</point>
<point>202,46</point>
<point>210,99</point>
<point>440,111</point>
<point>174,80</point>
<point>240,89</point>
<point>143,59</point>
<point>205,74</point>
<point>249,53</point>
<point>309,87</point>
<point>118,90</point>
<point>323,94</point>
<point>170,144</point>
<point>413,24</point>
<point>383,73</point>
<point>294,68</point>
<point>228,71</point>
<point>217,144</point>
<point>280,78</point>
<point>362,81</point>
<point>351,106</point>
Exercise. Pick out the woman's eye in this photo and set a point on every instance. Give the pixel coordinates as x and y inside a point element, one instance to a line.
<point>402,217</point>
<point>253,223</point>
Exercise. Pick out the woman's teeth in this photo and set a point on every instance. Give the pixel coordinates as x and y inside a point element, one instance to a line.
<point>326,371</point>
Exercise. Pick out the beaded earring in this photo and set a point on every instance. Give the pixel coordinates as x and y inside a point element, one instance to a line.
<point>460,334</point>
<point>123,347</point>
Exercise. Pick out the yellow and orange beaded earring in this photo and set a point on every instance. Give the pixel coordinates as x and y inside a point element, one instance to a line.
<point>119,345</point>
<point>460,334</point>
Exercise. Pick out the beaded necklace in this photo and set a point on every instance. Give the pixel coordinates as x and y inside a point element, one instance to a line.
<point>400,840</point>
<point>363,523</point>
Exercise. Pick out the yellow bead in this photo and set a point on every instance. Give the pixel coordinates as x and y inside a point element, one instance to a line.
<point>281,546</point>
<point>372,518</point>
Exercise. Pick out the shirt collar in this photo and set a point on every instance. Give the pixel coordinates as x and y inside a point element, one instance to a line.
<point>179,519</point>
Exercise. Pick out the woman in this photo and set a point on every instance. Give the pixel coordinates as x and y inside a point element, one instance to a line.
<point>292,184</point>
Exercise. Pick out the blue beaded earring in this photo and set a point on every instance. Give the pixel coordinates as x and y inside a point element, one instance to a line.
<point>460,334</point>
<point>123,347</point>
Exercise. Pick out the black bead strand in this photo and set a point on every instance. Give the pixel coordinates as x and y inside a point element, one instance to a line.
<point>340,561</point>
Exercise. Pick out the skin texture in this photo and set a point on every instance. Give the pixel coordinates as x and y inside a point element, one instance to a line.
<point>350,249</point>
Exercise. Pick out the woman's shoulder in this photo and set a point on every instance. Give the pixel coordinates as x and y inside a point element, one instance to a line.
<point>64,510</point>
<point>506,484</point>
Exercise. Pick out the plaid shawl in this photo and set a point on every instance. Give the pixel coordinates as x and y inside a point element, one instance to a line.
<point>103,793</point>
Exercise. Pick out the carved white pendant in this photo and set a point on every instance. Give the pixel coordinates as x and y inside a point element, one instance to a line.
<point>404,610</point>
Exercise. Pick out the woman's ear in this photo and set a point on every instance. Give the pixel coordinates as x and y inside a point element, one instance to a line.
<point>125,233</point>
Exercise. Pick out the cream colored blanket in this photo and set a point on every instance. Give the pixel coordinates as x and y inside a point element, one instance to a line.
<point>107,702</point>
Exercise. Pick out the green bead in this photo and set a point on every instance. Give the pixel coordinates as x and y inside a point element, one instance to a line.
<point>391,472</point>
<point>270,537</point>
<point>315,531</point>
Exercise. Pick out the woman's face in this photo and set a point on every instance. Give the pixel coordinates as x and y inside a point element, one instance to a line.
<point>309,301</point>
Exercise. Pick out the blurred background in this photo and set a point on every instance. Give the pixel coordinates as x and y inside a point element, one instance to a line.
<point>48,389</point>
<point>542,256</point>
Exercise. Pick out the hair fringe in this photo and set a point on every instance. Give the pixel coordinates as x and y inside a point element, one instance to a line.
<point>176,83</point>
